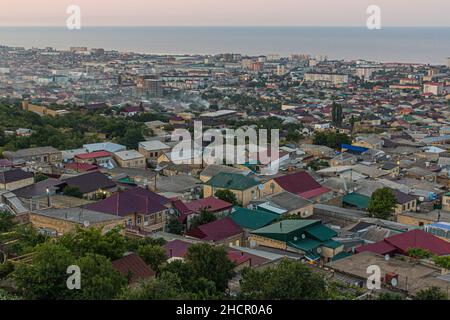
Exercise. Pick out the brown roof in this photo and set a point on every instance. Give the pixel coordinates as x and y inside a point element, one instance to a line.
<point>14,175</point>
<point>134,266</point>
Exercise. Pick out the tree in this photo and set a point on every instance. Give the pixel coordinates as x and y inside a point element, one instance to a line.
<point>289,280</point>
<point>336,115</point>
<point>432,293</point>
<point>389,296</point>
<point>153,255</point>
<point>166,287</point>
<point>419,253</point>
<point>211,263</point>
<point>175,226</point>
<point>331,139</point>
<point>6,221</point>
<point>204,217</point>
<point>99,280</point>
<point>46,277</point>
<point>38,177</point>
<point>91,240</point>
<point>382,203</point>
<point>226,195</point>
<point>72,191</point>
<point>442,261</point>
<point>133,135</point>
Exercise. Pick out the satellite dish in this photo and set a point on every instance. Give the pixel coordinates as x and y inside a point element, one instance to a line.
<point>303,236</point>
<point>86,223</point>
<point>261,187</point>
<point>295,238</point>
<point>171,211</point>
<point>387,257</point>
<point>394,282</point>
<point>319,250</point>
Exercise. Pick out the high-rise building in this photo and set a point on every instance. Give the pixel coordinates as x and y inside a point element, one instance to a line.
<point>150,86</point>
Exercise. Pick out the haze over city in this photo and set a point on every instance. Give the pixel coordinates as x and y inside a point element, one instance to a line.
<point>225,13</point>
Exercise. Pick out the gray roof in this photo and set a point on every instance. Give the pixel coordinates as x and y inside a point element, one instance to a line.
<point>77,215</point>
<point>153,145</point>
<point>30,152</point>
<point>214,169</point>
<point>289,200</point>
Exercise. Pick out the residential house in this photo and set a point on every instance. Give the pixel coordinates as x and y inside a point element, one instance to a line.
<point>91,184</point>
<point>57,222</point>
<point>153,149</point>
<point>143,210</point>
<point>285,203</point>
<point>401,243</point>
<point>15,178</point>
<point>104,146</point>
<point>308,237</point>
<point>245,188</point>
<point>250,219</point>
<point>299,183</point>
<point>99,158</point>
<point>370,142</point>
<point>223,231</point>
<point>133,268</point>
<point>213,169</point>
<point>48,155</point>
<point>130,159</point>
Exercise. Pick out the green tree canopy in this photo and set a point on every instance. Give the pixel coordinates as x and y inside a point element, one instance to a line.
<point>153,255</point>
<point>289,280</point>
<point>331,139</point>
<point>432,293</point>
<point>91,240</point>
<point>204,217</point>
<point>226,195</point>
<point>72,191</point>
<point>382,203</point>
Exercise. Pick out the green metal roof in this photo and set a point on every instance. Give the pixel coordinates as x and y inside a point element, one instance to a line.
<point>286,226</point>
<point>321,232</point>
<point>305,244</point>
<point>357,200</point>
<point>232,181</point>
<point>252,219</point>
<point>341,255</point>
<point>332,244</point>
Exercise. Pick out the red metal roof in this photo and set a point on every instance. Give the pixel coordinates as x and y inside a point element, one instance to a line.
<point>211,204</point>
<point>91,155</point>
<point>216,230</point>
<point>302,184</point>
<point>404,241</point>
<point>81,166</point>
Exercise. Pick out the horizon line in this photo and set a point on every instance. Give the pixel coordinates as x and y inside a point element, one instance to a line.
<point>225,26</point>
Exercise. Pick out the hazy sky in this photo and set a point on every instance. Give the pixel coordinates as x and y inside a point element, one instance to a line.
<point>224,12</point>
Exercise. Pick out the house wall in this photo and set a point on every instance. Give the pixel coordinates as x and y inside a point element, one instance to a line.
<point>152,222</point>
<point>406,207</point>
<point>413,221</point>
<point>303,212</point>
<point>267,242</point>
<point>446,203</point>
<point>138,163</point>
<point>17,184</point>
<point>63,226</point>
<point>153,154</point>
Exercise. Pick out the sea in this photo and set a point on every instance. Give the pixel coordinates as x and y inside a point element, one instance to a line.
<point>391,44</point>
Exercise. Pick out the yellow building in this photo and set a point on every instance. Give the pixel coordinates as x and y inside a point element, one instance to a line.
<point>130,159</point>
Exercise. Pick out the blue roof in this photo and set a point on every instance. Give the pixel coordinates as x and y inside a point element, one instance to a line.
<point>441,225</point>
<point>353,149</point>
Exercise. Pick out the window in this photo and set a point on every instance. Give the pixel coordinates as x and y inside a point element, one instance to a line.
<point>146,221</point>
<point>129,222</point>
<point>139,220</point>
<point>404,207</point>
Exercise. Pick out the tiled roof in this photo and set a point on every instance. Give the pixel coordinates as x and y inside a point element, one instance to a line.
<point>133,265</point>
<point>136,200</point>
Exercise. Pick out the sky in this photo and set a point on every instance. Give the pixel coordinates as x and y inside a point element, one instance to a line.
<point>224,12</point>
